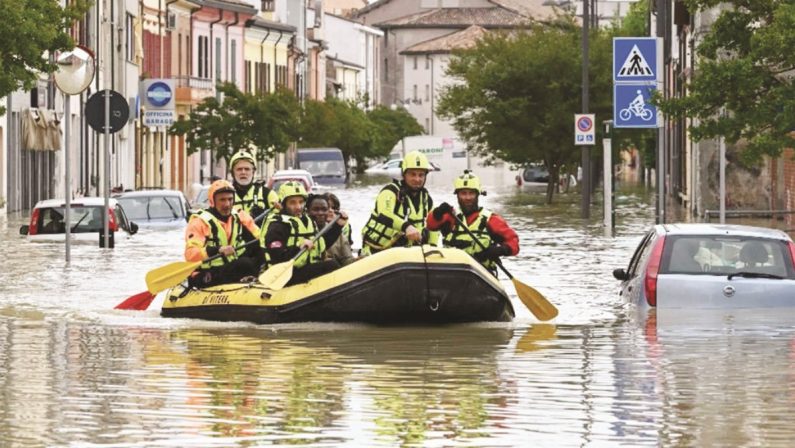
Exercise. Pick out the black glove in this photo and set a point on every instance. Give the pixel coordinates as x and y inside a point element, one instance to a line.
<point>493,252</point>
<point>441,210</point>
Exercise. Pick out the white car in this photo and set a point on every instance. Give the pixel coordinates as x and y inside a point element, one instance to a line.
<point>47,220</point>
<point>155,208</point>
<point>392,168</point>
<point>691,266</point>
<point>282,176</point>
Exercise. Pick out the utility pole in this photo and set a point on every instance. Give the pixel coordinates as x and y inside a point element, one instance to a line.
<point>585,162</point>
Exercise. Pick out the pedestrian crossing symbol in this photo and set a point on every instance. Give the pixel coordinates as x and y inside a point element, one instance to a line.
<point>635,65</point>
<point>637,59</point>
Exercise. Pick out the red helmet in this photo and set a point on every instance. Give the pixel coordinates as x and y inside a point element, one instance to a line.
<point>219,186</point>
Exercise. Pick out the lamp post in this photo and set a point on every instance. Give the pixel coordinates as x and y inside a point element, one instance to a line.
<point>75,72</point>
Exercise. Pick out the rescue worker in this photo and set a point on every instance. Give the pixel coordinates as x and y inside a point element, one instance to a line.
<point>220,229</point>
<point>495,235</point>
<point>253,197</point>
<point>292,230</point>
<point>398,218</point>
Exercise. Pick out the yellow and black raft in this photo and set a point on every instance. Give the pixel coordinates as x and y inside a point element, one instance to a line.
<point>416,285</point>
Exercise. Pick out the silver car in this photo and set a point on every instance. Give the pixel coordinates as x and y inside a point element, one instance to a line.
<point>710,266</point>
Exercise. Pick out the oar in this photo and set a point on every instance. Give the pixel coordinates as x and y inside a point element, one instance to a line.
<point>532,299</point>
<point>169,275</point>
<point>276,276</point>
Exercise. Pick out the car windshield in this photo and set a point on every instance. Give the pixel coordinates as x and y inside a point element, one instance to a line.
<point>144,208</point>
<point>324,167</point>
<point>82,220</point>
<point>722,255</point>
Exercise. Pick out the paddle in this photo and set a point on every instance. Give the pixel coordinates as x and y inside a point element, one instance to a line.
<point>276,276</point>
<point>532,299</point>
<point>167,276</point>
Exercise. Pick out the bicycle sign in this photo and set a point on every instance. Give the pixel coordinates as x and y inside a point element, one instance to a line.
<point>631,106</point>
<point>584,132</point>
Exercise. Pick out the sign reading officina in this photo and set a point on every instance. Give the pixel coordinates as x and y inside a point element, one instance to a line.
<point>158,102</point>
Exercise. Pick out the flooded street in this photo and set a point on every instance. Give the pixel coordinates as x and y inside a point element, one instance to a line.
<point>76,372</point>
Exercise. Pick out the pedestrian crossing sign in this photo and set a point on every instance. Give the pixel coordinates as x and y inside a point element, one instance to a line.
<point>637,59</point>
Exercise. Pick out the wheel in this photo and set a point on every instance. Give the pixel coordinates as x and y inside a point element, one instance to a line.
<point>625,114</point>
<point>646,115</point>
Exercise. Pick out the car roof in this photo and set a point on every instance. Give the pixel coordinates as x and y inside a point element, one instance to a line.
<point>725,230</point>
<point>84,201</point>
<point>292,173</point>
<point>145,193</point>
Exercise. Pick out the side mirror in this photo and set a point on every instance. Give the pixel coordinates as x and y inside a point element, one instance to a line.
<point>620,274</point>
<point>133,228</point>
<point>24,230</point>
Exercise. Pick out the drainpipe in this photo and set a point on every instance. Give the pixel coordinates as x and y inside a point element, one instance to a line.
<point>226,36</point>
<point>275,56</point>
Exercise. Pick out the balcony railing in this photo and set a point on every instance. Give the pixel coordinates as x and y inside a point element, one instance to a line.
<point>194,82</point>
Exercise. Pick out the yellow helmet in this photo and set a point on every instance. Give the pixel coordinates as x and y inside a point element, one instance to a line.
<point>219,186</point>
<point>292,188</point>
<point>242,155</point>
<point>467,181</point>
<point>415,160</point>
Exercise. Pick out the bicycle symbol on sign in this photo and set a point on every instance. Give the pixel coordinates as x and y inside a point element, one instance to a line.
<point>637,108</point>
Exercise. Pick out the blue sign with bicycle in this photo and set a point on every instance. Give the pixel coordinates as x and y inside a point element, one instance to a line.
<point>632,107</point>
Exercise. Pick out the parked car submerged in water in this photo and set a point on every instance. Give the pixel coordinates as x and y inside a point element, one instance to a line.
<point>282,176</point>
<point>711,266</point>
<point>47,220</point>
<point>392,168</point>
<point>155,208</point>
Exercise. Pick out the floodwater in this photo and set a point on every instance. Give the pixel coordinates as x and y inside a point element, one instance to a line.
<point>75,372</point>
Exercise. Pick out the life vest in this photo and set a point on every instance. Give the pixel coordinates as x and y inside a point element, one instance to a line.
<point>257,195</point>
<point>459,238</point>
<point>379,233</point>
<point>299,231</point>
<point>218,237</point>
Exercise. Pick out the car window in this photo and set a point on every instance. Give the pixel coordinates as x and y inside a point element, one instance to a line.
<point>640,253</point>
<point>722,255</point>
<point>87,219</point>
<point>51,220</point>
<point>121,218</point>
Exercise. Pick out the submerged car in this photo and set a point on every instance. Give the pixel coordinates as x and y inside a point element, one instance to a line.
<point>47,220</point>
<point>710,266</point>
<point>155,208</point>
<point>392,168</point>
<point>282,176</point>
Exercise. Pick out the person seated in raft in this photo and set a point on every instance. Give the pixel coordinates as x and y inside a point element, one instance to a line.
<point>322,209</point>
<point>253,197</point>
<point>292,229</point>
<point>398,218</point>
<point>490,229</point>
<point>220,229</point>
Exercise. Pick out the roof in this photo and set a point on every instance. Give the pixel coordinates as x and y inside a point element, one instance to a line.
<point>259,22</point>
<point>445,44</point>
<point>534,9</point>
<point>724,229</point>
<point>76,202</point>
<point>229,5</point>
<point>493,17</point>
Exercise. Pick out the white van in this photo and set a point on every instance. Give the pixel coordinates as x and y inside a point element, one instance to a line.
<point>327,165</point>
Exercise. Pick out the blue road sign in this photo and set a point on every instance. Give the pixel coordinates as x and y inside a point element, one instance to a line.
<point>631,107</point>
<point>636,59</point>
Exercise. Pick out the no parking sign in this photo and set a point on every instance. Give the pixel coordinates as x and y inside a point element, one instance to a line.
<point>584,130</point>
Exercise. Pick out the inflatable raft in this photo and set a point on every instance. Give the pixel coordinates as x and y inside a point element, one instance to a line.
<point>416,285</point>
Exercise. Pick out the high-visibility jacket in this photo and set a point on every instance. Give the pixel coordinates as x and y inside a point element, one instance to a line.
<point>301,228</point>
<point>394,211</point>
<point>258,196</point>
<point>460,239</point>
<point>216,236</point>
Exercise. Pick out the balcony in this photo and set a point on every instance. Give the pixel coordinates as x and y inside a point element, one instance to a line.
<point>192,90</point>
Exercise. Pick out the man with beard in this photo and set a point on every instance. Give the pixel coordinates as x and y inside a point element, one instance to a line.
<point>220,229</point>
<point>490,229</point>
<point>253,197</point>
<point>398,218</point>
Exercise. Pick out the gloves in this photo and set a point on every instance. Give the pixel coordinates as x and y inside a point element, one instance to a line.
<point>441,210</point>
<point>493,252</point>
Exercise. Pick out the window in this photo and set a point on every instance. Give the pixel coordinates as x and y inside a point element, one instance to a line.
<point>217,59</point>
<point>267,5</point>
<point>415,97</point>
<point>189,58</point>
<point>233,62</point>
<point>130,37</point>
<point>415,62</point>
<point>247,77</point>
<point>386,69</point>
<point>427,125</point>
<point>179,54</point>
<point>204,59</point>
<point>427,62</point>
<point>427,92</point>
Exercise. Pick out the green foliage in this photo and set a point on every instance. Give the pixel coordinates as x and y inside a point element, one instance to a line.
<point>744,67</point>
<point>267,122</point>
<point>516,94</point>
<point>29,30</point>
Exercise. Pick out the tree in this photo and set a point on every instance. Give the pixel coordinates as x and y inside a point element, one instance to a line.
<point>29,30</point>
<point>392,125</point>
<point>267,122</point>
<point>745,67</point>
<point>516,94</point>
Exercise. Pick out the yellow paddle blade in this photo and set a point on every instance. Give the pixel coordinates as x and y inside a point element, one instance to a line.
<point>276,276</point>
<point>169,275</point>
<point>541,308</point>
